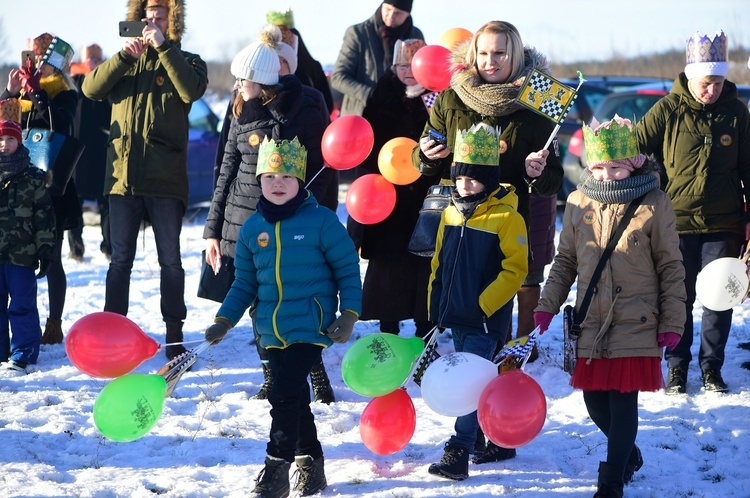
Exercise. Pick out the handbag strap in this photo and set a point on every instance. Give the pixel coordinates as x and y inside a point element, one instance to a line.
<point>28,124</point>
<point>581,314</point>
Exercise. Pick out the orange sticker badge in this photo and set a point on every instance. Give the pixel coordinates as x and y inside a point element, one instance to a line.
<point>275,160</point>
<point>589,217</point>
<point>159,80</point>
<point>725,140</point>
<point>502,147</point>
<point>253,140</point>
<point>263,239</point>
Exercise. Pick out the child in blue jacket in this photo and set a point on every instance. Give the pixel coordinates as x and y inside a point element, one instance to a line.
<point>295,257</point>
<point>480,262</point>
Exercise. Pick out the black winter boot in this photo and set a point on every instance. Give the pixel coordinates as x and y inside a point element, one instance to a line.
<point>610,482</point>
<point>273,480</point>
<point>266,387</point>
<point>174,334</point>
<point>480,444</point>
<point>454,464</point>
<point>635,462</point>
<point>311,477</point>
<point>53,333</point>
<point>321,385</point>
<point>494,453</point>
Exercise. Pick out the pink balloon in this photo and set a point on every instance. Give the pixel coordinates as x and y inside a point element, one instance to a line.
<point>512,409</point>
<point>370,199</point>
<point>388,422</point>
<point>431,67</point>
<point>347,142</point>
<point>108,345</point>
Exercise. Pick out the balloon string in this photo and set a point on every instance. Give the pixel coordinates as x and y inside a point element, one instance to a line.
<point>316,175</point>
<point>184,342</point>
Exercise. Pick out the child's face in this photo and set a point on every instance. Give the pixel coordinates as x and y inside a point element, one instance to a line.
<point>608,172</point>
<point>248,89</point>
<point>8,145</point>
<point>468,186</point>
<point>279,188</point>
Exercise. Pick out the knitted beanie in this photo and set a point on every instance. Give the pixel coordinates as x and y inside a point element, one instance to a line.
<point>289,52</point>
<point>400,4</point>
<point>259,62</point>
<point>10,129</point>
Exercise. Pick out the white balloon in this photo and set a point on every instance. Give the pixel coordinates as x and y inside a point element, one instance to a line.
<point>722,284</point>
<point>453,383</point>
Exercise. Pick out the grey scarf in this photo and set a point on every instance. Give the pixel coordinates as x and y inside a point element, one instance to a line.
<point>10,166</point>
<point>618,191</point>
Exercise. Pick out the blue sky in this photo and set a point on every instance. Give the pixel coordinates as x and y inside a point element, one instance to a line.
<point>564,30</point>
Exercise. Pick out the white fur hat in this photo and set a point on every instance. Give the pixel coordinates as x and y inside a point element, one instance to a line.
<point>259,62</point>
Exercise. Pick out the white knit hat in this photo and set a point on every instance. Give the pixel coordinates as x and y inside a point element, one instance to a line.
<point>259,62</point>
<point>289,52</point>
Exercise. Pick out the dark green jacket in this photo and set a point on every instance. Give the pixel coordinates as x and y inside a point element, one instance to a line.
<point>151,98</point>
<point>705,150</point>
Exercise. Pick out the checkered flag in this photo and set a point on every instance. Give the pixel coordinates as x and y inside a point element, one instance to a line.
<point>547,96</point>
<point>518,348</point>
<point>428,99</point>
<point>429,355</point>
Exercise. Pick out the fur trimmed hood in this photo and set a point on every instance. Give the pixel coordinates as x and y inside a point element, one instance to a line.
<point>176,16</point>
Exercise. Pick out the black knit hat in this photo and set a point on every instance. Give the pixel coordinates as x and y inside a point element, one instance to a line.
<point>400,4</point>
<point>489,176</point>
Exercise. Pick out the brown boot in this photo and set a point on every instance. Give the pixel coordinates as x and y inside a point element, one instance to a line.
<point>52,332</point>
<point>174,334</point>
<point>528,299</point>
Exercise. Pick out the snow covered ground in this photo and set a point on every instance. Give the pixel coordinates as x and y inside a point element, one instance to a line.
<point>210,440</point>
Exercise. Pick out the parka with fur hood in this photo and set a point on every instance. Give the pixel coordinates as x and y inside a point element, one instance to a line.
<point>151,99</point>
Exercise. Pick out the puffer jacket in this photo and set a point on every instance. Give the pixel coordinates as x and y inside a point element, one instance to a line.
<point>705,150</point>
<point>290,114</point>
<point>299,268</point>
<point>641,291</point>
<point>151,98</point>
<point>479,263</point>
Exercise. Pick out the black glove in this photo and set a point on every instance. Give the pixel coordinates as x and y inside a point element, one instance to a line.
<point>44,264</point>
<point>341,329</point>
<point>216,332</point>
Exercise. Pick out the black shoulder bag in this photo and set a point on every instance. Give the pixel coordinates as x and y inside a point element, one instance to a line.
<point>572,318</point>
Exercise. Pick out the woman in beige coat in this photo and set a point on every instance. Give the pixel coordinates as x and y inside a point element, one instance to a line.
<point>638,306</point>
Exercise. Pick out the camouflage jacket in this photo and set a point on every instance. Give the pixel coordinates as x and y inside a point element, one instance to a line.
<point>27,221</point>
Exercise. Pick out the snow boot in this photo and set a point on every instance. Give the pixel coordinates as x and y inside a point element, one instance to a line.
<point>273,480</point>
<point>494,453</point>
<point>454,464</point>
<point>266,387</point>
<point>390,327</point>
<point>174,334</point>
<point>480,444</point>
<point>528,299</point>
<point>321,385</point>
<point>52,331</point>
<point>635,462</point>
<point>311,477</point>
<point>609,484</point>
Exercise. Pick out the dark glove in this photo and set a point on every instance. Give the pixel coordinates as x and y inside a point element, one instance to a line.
<point>44,264</point>
<point>31,81</point>
<point>542,319</point>
<point>668,340</point>
<point>341,329</point>
<point>216,332</point>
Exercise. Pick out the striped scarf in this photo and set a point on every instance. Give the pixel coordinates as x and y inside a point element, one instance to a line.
<point>618,191</point>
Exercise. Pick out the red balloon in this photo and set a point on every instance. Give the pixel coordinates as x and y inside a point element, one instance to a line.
<point>347,142</point>
<point>431,67</point>
<point>512,409</point>
<point>388,422</point>
<point>370,199</point>
<point>108,345</point>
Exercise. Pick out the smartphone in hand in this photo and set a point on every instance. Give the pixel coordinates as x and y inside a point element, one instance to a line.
<point>26,56</point>
<point>132,29</point>
<point>437,138</point>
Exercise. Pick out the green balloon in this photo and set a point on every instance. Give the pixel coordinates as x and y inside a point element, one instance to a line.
<point>129,406</point>
<point>378,364</point>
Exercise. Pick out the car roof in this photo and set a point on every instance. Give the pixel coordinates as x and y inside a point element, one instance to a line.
<point>615,83</point>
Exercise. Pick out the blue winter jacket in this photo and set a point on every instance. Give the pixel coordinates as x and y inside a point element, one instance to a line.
<point>298,269</point>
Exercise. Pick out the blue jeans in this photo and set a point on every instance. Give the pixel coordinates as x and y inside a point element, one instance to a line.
<point>125,215</point>
<point>19,314</point>
<point>697,251</point>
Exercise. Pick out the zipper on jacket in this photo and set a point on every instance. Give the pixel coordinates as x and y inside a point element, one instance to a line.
<point>277,271</point>
<point>453,270</point>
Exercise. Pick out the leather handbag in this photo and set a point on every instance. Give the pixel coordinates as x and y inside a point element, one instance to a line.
<point>53,152</point>
<point>215,286</point>
<point>424,237</point>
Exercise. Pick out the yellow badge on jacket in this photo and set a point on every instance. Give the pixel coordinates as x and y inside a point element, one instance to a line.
<point>263,239</point>
<point>253,140</point>
<point>589,217</point>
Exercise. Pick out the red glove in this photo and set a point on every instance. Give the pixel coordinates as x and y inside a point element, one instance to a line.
<point>542,319</point>
<point>668,340</point>
<point>29,80</point>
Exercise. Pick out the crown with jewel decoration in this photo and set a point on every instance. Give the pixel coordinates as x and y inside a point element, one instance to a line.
<point>287,157</point>
<point>707,56</point>
<point>279,18</point>
<point>604,144</point>
<point>478,145</point>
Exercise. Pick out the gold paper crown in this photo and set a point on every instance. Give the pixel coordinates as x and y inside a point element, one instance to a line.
<point>478,145</point>
<point>279,18</point>
<point>10,110</point>
<point>704,48</point>
<point>287,157</point>
<point>404,50</point>
<point>610,142</point>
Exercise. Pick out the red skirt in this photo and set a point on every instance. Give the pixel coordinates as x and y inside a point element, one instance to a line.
<point>641,373</point>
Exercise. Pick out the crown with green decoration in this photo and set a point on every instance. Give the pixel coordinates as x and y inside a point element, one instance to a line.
<point>610,141</point>
<point>477,145</point>
<point>287,157</point>
<point>59,54</point>
<point>279,18</point>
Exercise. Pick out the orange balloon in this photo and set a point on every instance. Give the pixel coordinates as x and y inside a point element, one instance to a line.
<point>453,37</point>
<point>394,161</point>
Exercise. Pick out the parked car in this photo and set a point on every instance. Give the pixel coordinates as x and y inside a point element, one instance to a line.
<point>632,104</point>
<point>203,138</point>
